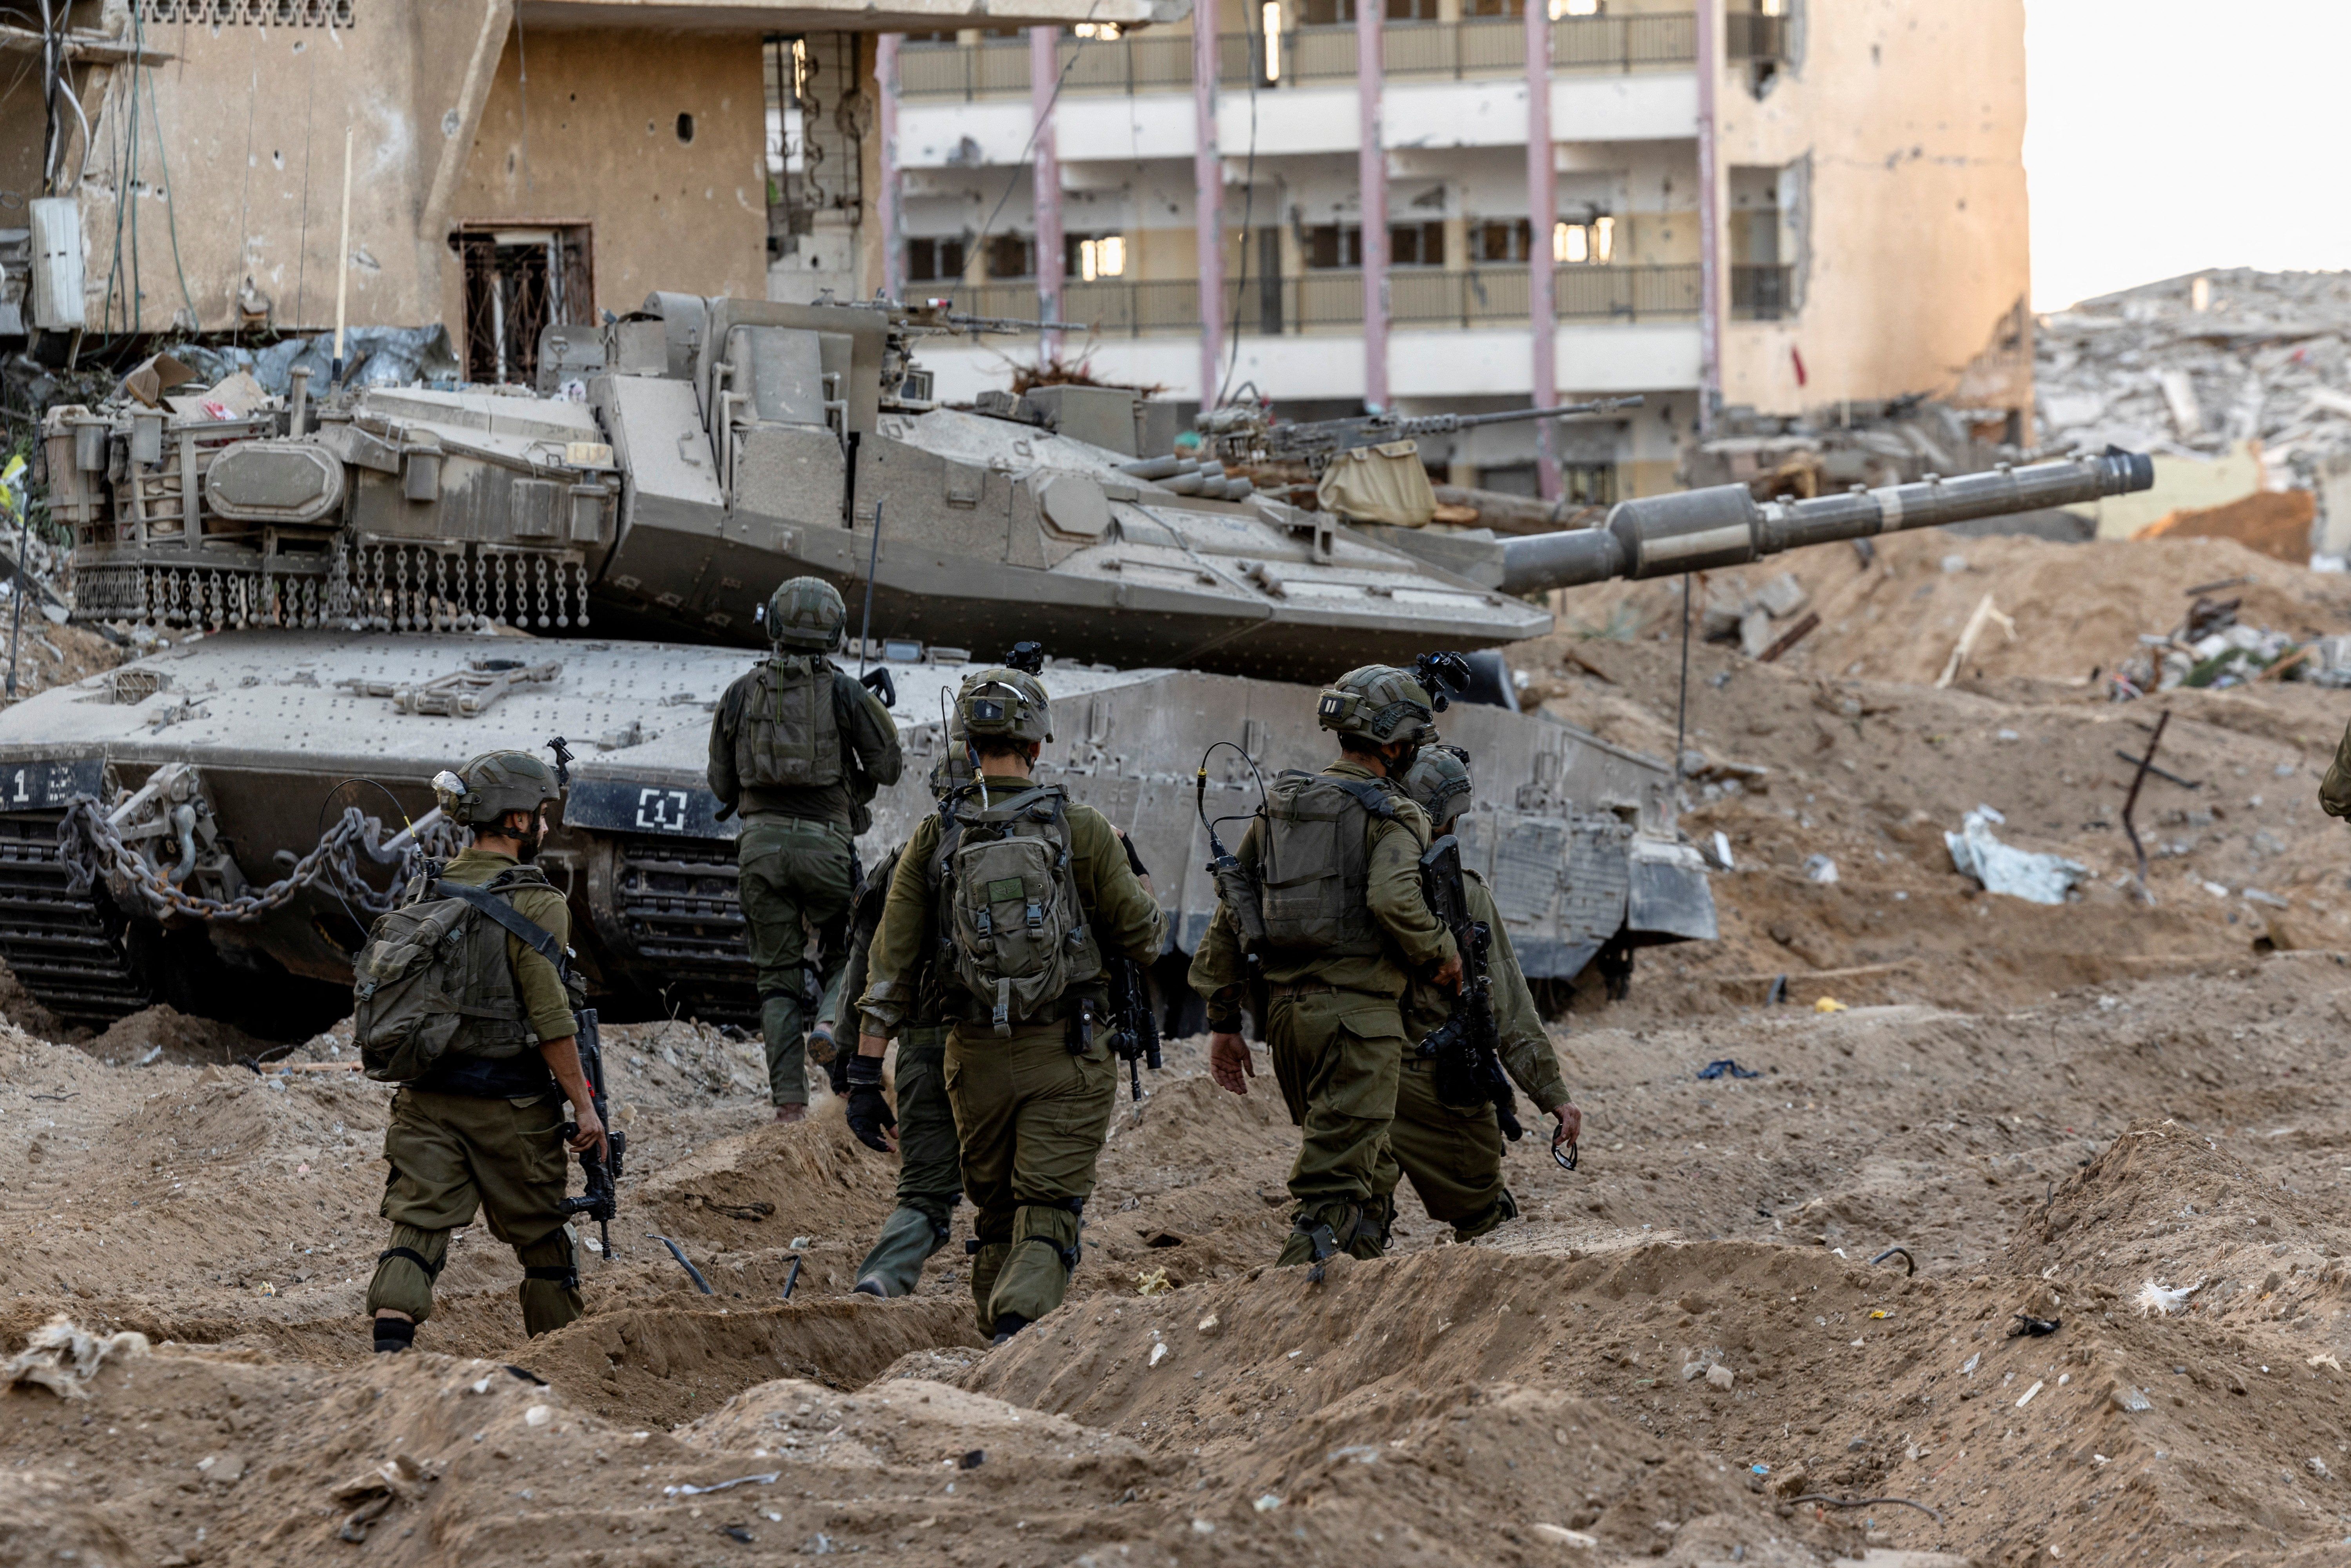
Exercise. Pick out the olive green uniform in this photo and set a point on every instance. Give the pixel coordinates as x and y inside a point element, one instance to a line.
<point>1454,1156</point>
<point>476,1134</point>
<point>1334,1025</point>
<point>930,1171</point>
<point>1031,1113</point>
<point>796,857</point>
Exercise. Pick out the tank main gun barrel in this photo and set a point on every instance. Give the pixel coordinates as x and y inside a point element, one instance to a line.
<point>1724,525</point>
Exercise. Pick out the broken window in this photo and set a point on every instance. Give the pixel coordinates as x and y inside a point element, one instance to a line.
<point>1586,244</point>
<point>1499,240</point>
<point>1011,257</point>
<point>1090,257</point>
<point>1764,228</point>
<point>517,283</point>
<point>1342,12</point>
<point>935,260</point>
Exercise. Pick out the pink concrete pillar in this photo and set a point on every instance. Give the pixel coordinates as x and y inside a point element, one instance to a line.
<point>1372,177</point>
<point>893,240</point>
<point>1542,216</point>
<point>1044,75</point>
<point>1209,197</point>
<point>1710,222</point>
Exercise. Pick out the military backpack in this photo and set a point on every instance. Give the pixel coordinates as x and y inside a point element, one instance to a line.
<point>1314,866</point>
<point>1012,929</point>
<point>434,981</point>
<point>791,731</point>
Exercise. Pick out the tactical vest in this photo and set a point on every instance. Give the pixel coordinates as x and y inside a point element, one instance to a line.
<point>434,981</point>
<point>790,734</point>
<point>1314,869</point>
<point>1012,927</point>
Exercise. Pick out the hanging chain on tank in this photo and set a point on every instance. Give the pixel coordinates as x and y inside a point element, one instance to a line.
<point>91,849</point>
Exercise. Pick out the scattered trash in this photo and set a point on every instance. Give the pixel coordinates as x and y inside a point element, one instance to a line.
<point>1986,613</point>
<point>685,1489</point>
<point>1153,1283</point>
<point>63,1358</point>
<point>1726,1066</point>
<point>1829,1005</point>
<point>1822,870</point>
<point>1565,1537</point>
<point>972,1460</point>
<point>2027,1397</point>
<point>2005,869</point>
<point>1910,1264</point>
<point>2154,1301</point>
<point>370,1496</point>
<point>1722,849</point>
<point>2029,1326</point>
<point>1267,1503</point>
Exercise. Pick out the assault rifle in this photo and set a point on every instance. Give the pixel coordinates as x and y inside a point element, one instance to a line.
<point>1467,1047</point>
<point>601,1177</point>
<point>1237,885</point>
<point>1136,1025</point>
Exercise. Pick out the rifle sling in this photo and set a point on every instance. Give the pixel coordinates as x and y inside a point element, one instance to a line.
<point>537,935</point>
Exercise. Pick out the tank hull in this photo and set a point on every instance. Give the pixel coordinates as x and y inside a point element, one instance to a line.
<point>1577,838</point>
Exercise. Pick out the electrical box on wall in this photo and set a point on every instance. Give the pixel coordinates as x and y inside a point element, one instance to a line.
<point>57,262</point>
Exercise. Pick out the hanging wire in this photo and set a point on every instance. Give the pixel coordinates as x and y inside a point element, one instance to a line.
<point>980,244</point>
<point>1681,705</point>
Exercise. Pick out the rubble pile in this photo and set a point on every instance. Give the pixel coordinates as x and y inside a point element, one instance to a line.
<point>2196,364</point>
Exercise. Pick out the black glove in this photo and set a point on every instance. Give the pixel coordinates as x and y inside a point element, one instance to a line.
<point>869,1111</point>
<point>836,1071</point>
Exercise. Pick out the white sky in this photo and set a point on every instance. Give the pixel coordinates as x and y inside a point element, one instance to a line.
<point>2164,137</point>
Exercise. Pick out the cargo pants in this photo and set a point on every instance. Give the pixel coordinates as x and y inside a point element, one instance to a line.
<point>453,1155</point>
<point>1335,1054</point>
<point>1453,1156</point>
<point>930,1169</point>
<point>1032,1117</point>
<point>795,879</point>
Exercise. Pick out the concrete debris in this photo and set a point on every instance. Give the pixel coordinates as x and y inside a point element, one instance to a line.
<point>2265,367</point>
<point>2005,869</point>
<point>63,1357</point>
<point>374,355</point>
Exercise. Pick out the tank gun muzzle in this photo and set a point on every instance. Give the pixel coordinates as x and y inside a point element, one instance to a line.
<point>1724,525</point>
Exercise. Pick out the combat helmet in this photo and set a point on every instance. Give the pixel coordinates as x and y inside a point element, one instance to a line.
<point>1439,783</point>
<point>1004,704</point>
<point>1384,704</point>
<point>485,789</point>
<point>806,614</point>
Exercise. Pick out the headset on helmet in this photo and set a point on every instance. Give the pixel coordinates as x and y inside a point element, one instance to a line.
<point>485,789</point>
<point>1004,704</point>
<point>1381,703</point>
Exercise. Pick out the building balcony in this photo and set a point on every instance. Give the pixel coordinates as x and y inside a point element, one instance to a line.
<point>1762,293</point>
<point>1307,56</point>
<point>1332,301</point>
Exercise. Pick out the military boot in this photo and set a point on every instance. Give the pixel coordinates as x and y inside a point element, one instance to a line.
<point>987,1259</point>
<point>1503,1208</point>
<point>894,1267</point>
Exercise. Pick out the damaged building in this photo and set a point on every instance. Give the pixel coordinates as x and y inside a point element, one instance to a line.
<point>178,167</point>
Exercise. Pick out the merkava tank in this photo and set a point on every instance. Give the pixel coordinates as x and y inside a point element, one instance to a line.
<point>350,593</point>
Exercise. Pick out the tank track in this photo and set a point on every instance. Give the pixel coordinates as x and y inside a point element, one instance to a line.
<point>70,950</point>
<point>676,901</point>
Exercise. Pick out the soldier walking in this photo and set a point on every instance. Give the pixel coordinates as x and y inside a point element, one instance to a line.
<point>481,1127</point>
<point>798,747</point>
<point>1453,1153</point>
<point>1017,893</point>
<point>1336,859</point>
<point>922,1130</point>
